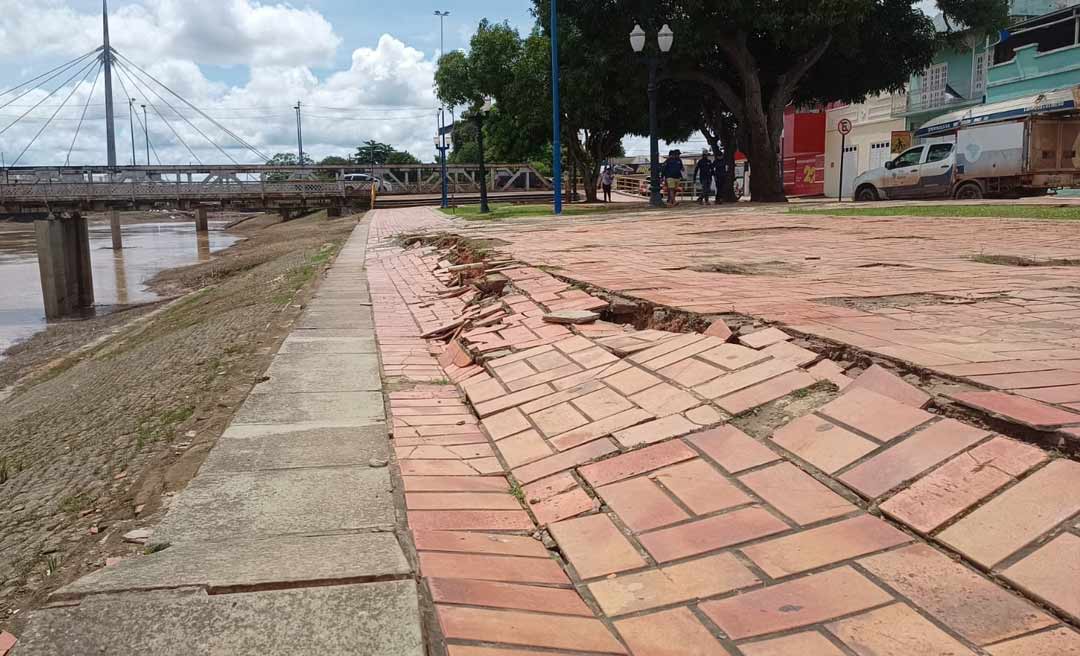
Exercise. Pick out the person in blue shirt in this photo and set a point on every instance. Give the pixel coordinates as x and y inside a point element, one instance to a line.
<point>673,173</point>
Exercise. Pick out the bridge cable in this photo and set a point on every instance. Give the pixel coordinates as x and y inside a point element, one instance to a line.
<point>120,75</point>
<point>146,134</point>
<point>224,152</point>
<point>139,118</point>
<point>97,76</point>
<point>89,67</point>
<point>51,93</point>
<point>58,71</point>
<point>224,129</point>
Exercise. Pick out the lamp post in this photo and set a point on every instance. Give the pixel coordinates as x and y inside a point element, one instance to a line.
<point>299,134</point>
<point>442,115</point>
<point>442,145</point>
<point>146,134</point>
<point>131,127</point>
<point>664,39</point>
<point>556,111</point>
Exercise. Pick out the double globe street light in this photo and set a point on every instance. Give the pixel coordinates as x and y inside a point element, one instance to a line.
<point>664,40</point>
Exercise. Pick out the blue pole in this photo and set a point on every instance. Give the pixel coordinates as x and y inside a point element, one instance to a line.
<point>556,145</point>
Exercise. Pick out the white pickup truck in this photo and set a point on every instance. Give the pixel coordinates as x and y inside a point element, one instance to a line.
<point>1015,158</point>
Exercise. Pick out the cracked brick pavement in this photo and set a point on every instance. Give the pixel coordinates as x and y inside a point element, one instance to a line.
<point>862,524</point>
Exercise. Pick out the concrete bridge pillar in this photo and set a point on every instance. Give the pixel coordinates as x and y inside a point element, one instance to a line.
<point>67,279</point>
<point>201,222</point>
<point>333,212</point>
<point>114,228</point>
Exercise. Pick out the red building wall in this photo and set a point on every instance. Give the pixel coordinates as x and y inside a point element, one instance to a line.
<point>804,152</point>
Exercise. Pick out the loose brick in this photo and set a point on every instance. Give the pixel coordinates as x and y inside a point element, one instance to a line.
<point>563,396</point>
<point>523,448</point>
<point>637,462</point>
<point>704,415</point>
<point>460,501</point>
<point>881,381</point>
<point>7,642</point>
<point>682,354</point>
<point>763,338</point>
<point>733,357</point>
<point>673,632</point>
<point>766,392</point>
<point>602,403</point>
<point>911,457</point>
<point>655,431</point>
<point>1052,574</point>
<point>543,377</point>
<point>809,643</point>
<point>744,378</point>
<point>962,482</point>
<point>505,424</point>
<point>1019,515</point>
<point>632,381</point>
<point>830,371</point>
<point>692,372</point>
<point>491,568</point>
<point>563,506</point>
<point>1059,642</point>
<point>548,360</point>
<point>483,390</point>
<point>696,579</point>
<point>549,487</point>
<point>966,602</point>
<point>832,543</point>
<point>528,629</point>
<point>511,400</point>
<point>896,630</point>
<point>718,329</point>
<point>507,595</point>
<point>667,346</point>
<point>665,399</point>
<point>790,352</point>
<point>796,494</point>
<point>598,429</point>
<point>565,460</point>
<point>700,487</point>
<point>822,443</point>
<point>641,505</point>
<point>1063,394</point>
<point>733,449</point>
<point>481,543</point>
<point>880,417</point>
<point>464,520</point>
<point>802,602</point>
<point>1017,409</point>
<point>1029,380</point>
<point>710,534</point>
<point>436,468</point>
<point>455,484</point>
<point>595,546</point>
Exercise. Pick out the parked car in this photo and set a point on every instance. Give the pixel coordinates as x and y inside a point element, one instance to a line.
<point>363,181</point>
<point>1026,157</point>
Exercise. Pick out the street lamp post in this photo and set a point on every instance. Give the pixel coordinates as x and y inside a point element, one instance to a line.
<point>556,110</point>
<point>146,134</point>
<point>664,39</point>
<point>131,127</point>
<point>299,134</point>
<point>442,116</point>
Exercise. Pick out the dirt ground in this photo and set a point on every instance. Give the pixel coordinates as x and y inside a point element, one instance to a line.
<point>107,418</point>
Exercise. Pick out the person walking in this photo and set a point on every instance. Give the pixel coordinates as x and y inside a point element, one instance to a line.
<point>607,178</point>
<point>720,172</point>
<point>673,174</point>
<point>704,175</point>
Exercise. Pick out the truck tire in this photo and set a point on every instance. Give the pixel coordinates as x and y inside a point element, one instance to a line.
<point>969,191</point>
<point>866,194</point>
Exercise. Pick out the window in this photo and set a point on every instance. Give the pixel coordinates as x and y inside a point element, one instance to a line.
<point>909,157</point>
<point>879,154</point>
<point>938,152</point>
<point>932,87</point>
<point>978,75</point>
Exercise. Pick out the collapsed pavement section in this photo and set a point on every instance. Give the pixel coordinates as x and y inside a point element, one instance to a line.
<point>285,542</point>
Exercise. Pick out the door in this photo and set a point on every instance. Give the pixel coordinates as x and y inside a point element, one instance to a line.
<point>879,154</point>
<point>936,173</point>
<point>851,165</point>
<point>902,181</point>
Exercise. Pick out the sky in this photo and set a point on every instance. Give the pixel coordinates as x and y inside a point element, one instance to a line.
<point>361,69</point>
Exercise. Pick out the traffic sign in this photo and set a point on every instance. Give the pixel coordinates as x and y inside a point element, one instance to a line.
<point>844,126</point>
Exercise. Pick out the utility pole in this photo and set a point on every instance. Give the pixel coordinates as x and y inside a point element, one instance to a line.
<point>146,134</point>
<point>556,112</point>
<point>131,127</point>
<point>106,55</point>
<point>442,114</point>
<point>299,134</point>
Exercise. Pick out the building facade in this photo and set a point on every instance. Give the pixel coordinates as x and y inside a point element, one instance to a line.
<point>869,144</point>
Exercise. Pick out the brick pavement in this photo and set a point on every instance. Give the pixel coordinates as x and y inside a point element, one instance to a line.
<point>672,524</point>
<point>902,288</point>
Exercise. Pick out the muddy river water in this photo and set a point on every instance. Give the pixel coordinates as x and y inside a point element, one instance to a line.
<point>119,276</point>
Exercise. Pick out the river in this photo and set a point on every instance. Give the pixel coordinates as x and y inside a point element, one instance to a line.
<point>119,276</point>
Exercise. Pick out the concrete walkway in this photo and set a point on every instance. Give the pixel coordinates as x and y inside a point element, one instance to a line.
<point>286,540</point>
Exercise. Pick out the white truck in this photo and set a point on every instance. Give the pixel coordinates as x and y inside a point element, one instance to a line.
<point>1011,158</point>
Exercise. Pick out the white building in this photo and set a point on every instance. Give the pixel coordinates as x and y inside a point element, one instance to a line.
<point>867,146</point>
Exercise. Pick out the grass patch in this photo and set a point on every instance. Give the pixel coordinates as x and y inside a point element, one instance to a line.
<point>75,503</point>
<point>1053,212</point>
<point>509,211</point>
<point>1018,261</point>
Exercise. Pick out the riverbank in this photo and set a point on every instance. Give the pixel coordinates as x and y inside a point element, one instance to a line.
<point>107,418</point>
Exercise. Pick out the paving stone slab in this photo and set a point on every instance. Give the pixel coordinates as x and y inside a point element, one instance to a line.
<point>324,372</point>
<point>1052,574</point>
<point>371,619</point>
<point>316,409</point>
<point>311,341</point>
<point>218,507</point>
<point>254,447</point>
<point>284,561</point>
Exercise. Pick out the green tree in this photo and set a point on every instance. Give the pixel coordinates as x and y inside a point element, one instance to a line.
<point>332,160</point>
<point>285,159</point>
<point>372,152</point>
<point>401,157</point>
<point>759,56</point>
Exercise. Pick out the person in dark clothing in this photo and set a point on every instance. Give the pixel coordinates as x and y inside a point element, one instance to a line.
<point>720,174</point>
<point>673,174</point>
<point>704,174</point>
